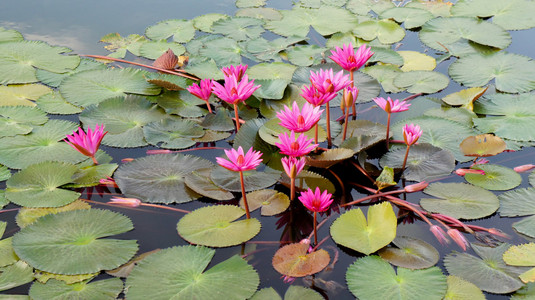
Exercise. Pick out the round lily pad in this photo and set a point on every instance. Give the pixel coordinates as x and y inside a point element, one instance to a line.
<point>511,15</point>
<point>352,230</point>
<point>71,242</point>
<point>416,61</point>
<point>180,273</point>
<point>15,274</point>
<point>216,226</point>
<point>427,82</point>
<point>518,202</point>
<point>522,255</point>
<point>96,290</point>
<point>525,226</point>
<point>159,178</point>
<point>54,103</point>
<point>496,178</point>
<point>329,157</point>
<point>410,17</point>
<point>460,200</point>
<point>465,97</point>
<point>411,253</point>
<point>200,181</point>
<point>155,49</point>
<point>27,216</point>
<point>182,31</point>
<point>253,180</point>
<point>371,277</point>
<point>460,289</point>
<point>482,145</point>
<point>294,260</point>
<point>270,202</point>
<point>172,133</point>
<point>16,120</point>
<point>385,30</point>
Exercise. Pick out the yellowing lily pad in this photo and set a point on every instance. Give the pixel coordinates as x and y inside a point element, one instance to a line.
<point>270,202</point>
<point>417,61</point>
<point>21,94</point>
<point>482,145</point>
<point>524,256</point>
<point>295,261</point>
<point>465,98</point>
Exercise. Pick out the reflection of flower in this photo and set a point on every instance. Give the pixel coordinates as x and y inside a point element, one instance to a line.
<point>234,91</point>
<point>299,121</point>
<point>392,106</point>
<point>237,71</point>
<point>325,81</point>
<point>239,161</point>
<point>202,91</point>
<point>349,59</point>
<point>411,134</point>
<point>87,143</point>
<point>316,201</point>
<point>291,146</point>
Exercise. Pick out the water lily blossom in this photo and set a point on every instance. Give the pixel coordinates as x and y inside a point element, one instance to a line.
<point>87,143</point>
<point>203,91</point>
<point>239,162</point>
<point>349,59</point>
<point>296,147</point>
<point>238,71</point>
<point>314,97</point>
<point>326,81</point>
<point>317,202</point>
<point>390,106</point>
<point>411,134</point>
<point>292,166</point>
<point>299,120</point>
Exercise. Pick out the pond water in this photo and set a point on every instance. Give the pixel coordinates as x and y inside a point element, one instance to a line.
<point>79,26</point>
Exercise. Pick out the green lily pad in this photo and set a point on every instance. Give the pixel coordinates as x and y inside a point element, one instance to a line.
<point>410,17</point>
<point>7,255</point>
<point>172,133</point>
<point>447,31</point>
<point>489,273</point>
<point>179,272</point>
<point>306,55</point>
<point>159,178</point>
<point>269,50</point>
<point>37,185</point>
<point>14,275</point>
<point>224,51</point>
<point>70,242</point>
<point>155,49</point>
<point>526,226</point>
<point>16,120</point>
<point>54,79</point>
<point>96,290</point>
<point>465,97</point>
<point>427,82</point>
<point>54,103</point>
<point>42,144</point>
<point>22,94</point>
<point>216,226</point>
<point>353,231</point>
<point>385,30</point>
<point>437,8</point>
<point>411,253</point>
<point>200,182</point>
<point>204,22</point>
<point>385,75</point>
<point>457,114</point>
<point>10,35</point>
<point>18,59</point>
<point>212,136</point>
<point>124,118</point>
<point>270,131</point>
<point>182,31</point>
<point>425,162</point>
<point>329,158</point>
<point>94,86</point>
<point>371,277</point>
<point>5,174</point>
<point>253,180</point>
<point>511,15</point>
<point>385,179</point>
<point>522,255</point>
<point>263,13</point>
<point>363,7</point>
<point>294,292</point>
<point>182,103</point>
<point>460,200</point>
<point>204,67</point>
<point>119,45</point>
<point>27,216</point>
<point>525,292</point>
<point>90,175</point>
<point>270,202</point>
<point>294,260</point>
<point>460,289</point>
<point>496,178</point>
<point>387,56</point>
<point>513,73</point>
<point>519,202</point>
<point>239,28</point>
<point>220,121</point>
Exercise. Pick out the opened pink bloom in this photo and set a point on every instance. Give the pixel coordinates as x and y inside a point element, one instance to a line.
<point>316,201</point>
<point>234,91</point>
<point>314,97</point>
<point>299,120</point>
<point>291,146</point>
<point>238,71</point>
<point>238,161</point>
<point>411,134</point>
<point>203,90</point>
<point>392,106</point>
<point>325,81</point>
<point>87,143</point>
<point>349,59</point>
<point>293,166</point>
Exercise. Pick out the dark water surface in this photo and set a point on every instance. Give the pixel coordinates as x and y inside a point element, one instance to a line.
<point>80,24</point>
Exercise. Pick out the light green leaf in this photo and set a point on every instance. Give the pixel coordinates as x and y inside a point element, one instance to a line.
<point>22,94</point>
<point>96,290</point>
<point>496,178</point>
<point>511,15</point>
<point>182,31</point>
<point>386,31</point>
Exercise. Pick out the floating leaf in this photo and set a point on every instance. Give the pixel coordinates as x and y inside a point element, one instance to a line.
<point>409,16</point>
<point>416,61</point>
<point>200,182</point>
<point>94,86</point>
<point>519,202</point>
<point>219,121</point>
<point>465,97</point>
<point>460,200</point>
<point>525,292</point>
<point>10,35</point>
<point>460,289</point>
<point>181,103</point>
<point>270,202</point>
<point>385,179</point>
<point>353,231</point>
<point>21,94</point>
<point>27,216</point>
<point>385,75</point>
<point>525,226</point>
<point>294,260</point>
<point>217,226</point>
<point>155,49</point>
<point>182,31</point>
<point>224,51</point>
<point>363,7</point>
<point>204,22</point>
<point>511,15</point>
<point>7,255</point>
<point>386,56</point>
<point>385,30</point>
<point>439,8</point>
<point>482,145</point>
<point>522,255</point>
<point>179,272</point>
<point>239,28</point>
<point>124,270</point>
<point>253,180</point>
<point>306,55</point>
<point>410,253</point>
<point>43,277</point>
<point>124,118</point>
<point>54,79</point>
<point>16,120</point>
<point>329,158</point>
<point>496,178</point>
<point>74,240</point>
<point>425,162</point>
<point>54,289</point>
<point>249,3</point>
<point>270,131</point>
<point>119,45</point>
<point>14,275</point>
<point>159,178</point>
<point>172,133</point>
<point>37,185</point>
<point>18,59</point>
<point>489,273</point>
<point>513,73</point>
<point>370,277</point>
<point>294,292</point>
<point>54,103</point>
<point>309,180</point>
<point>427,82</point>
<point>264,13</point>
<point>91,175</point>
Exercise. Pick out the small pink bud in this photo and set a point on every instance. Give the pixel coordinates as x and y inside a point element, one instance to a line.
<point>458,238</point>
<point>480,161</point>
<point>306,241</point>
<point>439,233</point>
<point>416,187</point>
<point>288,279</point>
<point>131,202</point>
<point>462,172</point>
<point>524,168</point>
<point>108,182</point>
<point>159,151</point>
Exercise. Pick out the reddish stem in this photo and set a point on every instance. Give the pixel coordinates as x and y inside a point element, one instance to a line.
<point>248,215</point>
<point>405,159</point>
<point>292,188</point>
<point>237,117</point>
<point>372,197</point>
<point>388,132</point>
<point>315,229</point>
<point>351,77</point>
<point>94,160</point>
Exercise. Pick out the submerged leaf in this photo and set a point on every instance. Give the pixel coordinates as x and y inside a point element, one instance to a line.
<point>411,253</point>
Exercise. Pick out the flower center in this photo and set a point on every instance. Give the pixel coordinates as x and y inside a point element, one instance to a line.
<point>294,146</point>
<point>240,160</point>
<point>300,121</point>
<point>351,59</point>
<point>330,88</point>
<point>234,91</point>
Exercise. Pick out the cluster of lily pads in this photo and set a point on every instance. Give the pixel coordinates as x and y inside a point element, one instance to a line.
<point>65,245</point>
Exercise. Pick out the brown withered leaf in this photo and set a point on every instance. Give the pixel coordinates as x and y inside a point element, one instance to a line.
<point>293,260</point>
<point>167,61</point>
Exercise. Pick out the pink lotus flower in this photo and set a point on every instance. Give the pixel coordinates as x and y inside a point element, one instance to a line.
<point>234,91</point>
<point>202,91</point>
<point>392,106</point>
<point>299,121</point>
<point>325,81</point>
<point>293,166</point>
<point>87,144</point>
<point>238,71</point>
<point>291,146</point>
<point>312,96</point>
<point>349,59</point>
<point>411,134</point>
<point>458,238</point>
<point>462,172</point>
<point>316,201</point>
<point>240,162</point>
<point>439,233</point>
<point>350,96</point>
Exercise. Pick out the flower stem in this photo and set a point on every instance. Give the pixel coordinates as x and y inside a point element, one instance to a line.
<point>405,159</point>
<point>355,102</point>
<point>345,124</point>
<point>316,137</point>
<point>327,110</point>
<point>388,132</point>
<point>237,117</point>
<point>248,215</point>
<point>292,189</point>
<point>315,229</point>
<point>94,160</point>
<point>209,107</point>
